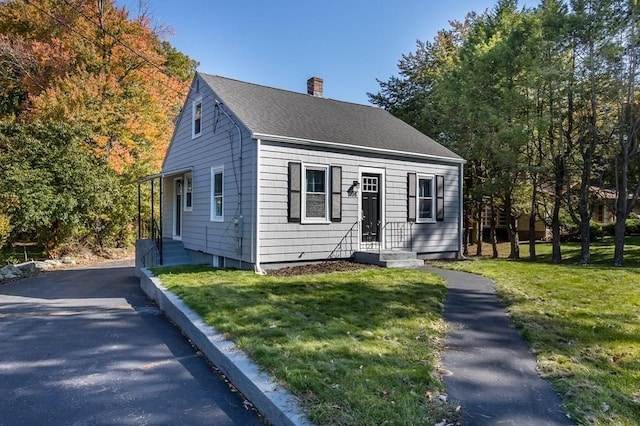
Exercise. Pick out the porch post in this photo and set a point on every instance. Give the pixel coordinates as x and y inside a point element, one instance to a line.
<point>152,210</point>
<point>160,219</point>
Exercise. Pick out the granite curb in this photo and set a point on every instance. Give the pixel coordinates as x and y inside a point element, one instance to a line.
<point>274,402</point>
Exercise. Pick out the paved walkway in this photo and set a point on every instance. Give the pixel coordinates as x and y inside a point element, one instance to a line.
<point>86,346</point>
<point>492,371</point>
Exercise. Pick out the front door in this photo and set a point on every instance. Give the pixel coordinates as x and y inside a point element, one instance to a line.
<point>371,188</point>
<point>177,209</point>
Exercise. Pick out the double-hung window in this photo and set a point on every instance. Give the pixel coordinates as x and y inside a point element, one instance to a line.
<point>217,194</point>
<point>314,193</point>
<point>196,114</point>
<point>188,192</point>
<point>315,200</point>
<point>426,199</point>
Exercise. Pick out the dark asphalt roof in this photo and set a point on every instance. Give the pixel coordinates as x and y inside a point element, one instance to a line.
<point>269,111</point>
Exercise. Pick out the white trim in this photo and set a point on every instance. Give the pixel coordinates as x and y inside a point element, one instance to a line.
<point>383,203</point>
<point>212,216</point>
<point>174,204</point>
<point>194,103</point>
<point>312,142</point>
<point>431,177</point>
<point>187,176</point>
<point>303,217</point>
<point>257,268</point>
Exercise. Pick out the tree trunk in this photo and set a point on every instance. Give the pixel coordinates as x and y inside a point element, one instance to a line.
<point>512,229</point>
<point>556,254</point>
<point>532,221</point>
<point>479,228</point>
<point>618,252</point>
<point>466,234</point>
<point>493,236</point>
<point>622,211</point>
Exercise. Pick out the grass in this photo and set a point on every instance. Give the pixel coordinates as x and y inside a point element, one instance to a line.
<point>583,322</point>
<point>357,347</point>
<point>601,252</point>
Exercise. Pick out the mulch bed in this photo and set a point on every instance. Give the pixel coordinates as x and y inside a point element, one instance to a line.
<point>320,268</point>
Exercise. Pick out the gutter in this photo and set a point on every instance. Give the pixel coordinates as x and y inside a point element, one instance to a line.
<point>311,142</point>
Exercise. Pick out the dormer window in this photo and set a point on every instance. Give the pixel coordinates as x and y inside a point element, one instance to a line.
<point>196,123</point>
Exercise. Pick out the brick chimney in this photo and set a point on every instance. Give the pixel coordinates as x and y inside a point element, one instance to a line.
<point>314,86</point>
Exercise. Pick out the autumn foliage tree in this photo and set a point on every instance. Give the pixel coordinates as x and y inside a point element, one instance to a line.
<point>111,80</point>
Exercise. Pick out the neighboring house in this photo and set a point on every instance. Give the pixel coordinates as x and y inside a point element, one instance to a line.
<point>604,206</point>
<point>256,175</point>
<point>541,231</point>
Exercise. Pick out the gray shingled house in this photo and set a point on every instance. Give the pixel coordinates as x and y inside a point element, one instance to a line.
<point>257,176</point>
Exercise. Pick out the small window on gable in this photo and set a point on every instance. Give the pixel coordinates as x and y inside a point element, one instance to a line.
<point>188,192</point>
<point>196,123</point>
<point>217,194</point>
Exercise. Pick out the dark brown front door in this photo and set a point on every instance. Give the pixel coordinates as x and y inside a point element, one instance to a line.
<point>370,191</point>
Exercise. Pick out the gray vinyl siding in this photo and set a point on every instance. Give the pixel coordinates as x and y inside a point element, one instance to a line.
<point>281,241</point>
<point>212,149</point>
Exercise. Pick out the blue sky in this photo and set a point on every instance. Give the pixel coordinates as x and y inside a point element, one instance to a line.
<point>281,43</point>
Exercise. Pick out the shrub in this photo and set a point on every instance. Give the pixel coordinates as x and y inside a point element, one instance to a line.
<point>569,231</point>
<point>632,226</point>
<point>595,231</point>
<point>609,229</point>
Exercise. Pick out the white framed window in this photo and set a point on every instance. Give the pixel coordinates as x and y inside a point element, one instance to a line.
<point>196,115</point>
<point>426,202</point>
<point>315,197</point>
<point>188,192</point>
<point>217,194</point>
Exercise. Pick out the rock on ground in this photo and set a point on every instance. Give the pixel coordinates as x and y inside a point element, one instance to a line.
<point>10,271</point>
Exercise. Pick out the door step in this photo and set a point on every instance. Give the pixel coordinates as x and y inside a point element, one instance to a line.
<point>174,253</point>
<point>389,258</point>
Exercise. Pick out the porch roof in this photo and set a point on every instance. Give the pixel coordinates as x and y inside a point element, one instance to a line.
<point>166,174</point>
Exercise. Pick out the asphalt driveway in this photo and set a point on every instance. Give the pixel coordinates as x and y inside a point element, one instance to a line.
<point>85,346</point>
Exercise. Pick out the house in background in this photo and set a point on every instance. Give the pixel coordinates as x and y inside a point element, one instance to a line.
<point>604,206</point>
<point>256,176</point>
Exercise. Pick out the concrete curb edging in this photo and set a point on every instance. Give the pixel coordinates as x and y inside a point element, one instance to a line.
<point>274,402</point>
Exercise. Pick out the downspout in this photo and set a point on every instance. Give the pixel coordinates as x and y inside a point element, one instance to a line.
<point>461,220</point>
<point>257,268</point>
<point>240,215</point>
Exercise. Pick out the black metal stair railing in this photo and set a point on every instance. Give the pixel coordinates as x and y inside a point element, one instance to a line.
<point>345,247</point>
<point>397,235</point>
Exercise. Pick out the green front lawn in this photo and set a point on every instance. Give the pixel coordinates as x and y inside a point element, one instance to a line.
<point>583,322</point>
<point>358,348</point>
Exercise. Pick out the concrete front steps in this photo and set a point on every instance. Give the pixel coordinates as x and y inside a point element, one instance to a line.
<point>174,253</point>
<point>389,258</point>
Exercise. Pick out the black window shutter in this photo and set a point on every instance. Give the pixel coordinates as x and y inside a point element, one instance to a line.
<point>439,198</point>
<point>295,189</point>
<point>336,194</point>
<point>411,197</point>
